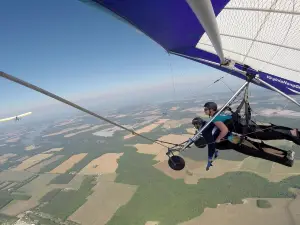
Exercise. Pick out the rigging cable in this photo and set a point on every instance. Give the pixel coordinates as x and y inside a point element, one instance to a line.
<point>51,95</point>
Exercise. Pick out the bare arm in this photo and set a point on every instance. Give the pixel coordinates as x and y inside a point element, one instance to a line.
<point>223,128</point>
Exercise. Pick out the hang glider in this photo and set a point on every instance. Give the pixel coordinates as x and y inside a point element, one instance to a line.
<point>18,117</point>
<point>261,36</point>
<point>257,41</point>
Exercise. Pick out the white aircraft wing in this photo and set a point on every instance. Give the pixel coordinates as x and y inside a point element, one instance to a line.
<point>14,117</point>
<point>24,114</point>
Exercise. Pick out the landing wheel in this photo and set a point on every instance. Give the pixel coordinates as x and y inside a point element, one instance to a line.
<point>176,162</point>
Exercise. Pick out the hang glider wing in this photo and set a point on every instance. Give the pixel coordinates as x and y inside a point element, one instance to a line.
<point>261,34</point>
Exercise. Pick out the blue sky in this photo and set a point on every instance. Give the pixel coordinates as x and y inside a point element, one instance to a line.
<point>74,50</point>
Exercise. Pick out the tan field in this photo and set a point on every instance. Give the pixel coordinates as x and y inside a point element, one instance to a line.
<point>67,130</point>
<point>147,129</point>
<point>158,150</point>
<point>107,163</point>
<point>143,130</point>
<point>65,123</point>
<point>18,176</point>
<point>294,208</point>
<point>10,186</point>
<point>152,223</point>
<point>31,161</point>
<point>194,109</point>
<point>37,189</point>
<point>22,159</point>
<point>94,212</point>
<point>12,140</point>
<point>16,207</point>
<point>69,163</point>
<point>83,131</point>
<point>279,112</point>
<point>36,168</point>
<point>246,214</point>
<point>176,123</point>
<point>53,150</point>
<point>191,131</point>
<point>120,116</point>
<point>4,184</point>
<point>154,112</point>
<point>174,108</point>
<point>5,157</point>
<point>31,147</point>
<point>195,170</point>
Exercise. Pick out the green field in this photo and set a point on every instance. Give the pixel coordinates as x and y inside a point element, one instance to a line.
<point>68,201</point>
<point>5,198</point>
<point>264,166</point>
<point>50,195</point>
<point>53,165</point>
<point>64,178</point>
<point>260,203</point>
<point>4,219</point>
<point>157,192</point>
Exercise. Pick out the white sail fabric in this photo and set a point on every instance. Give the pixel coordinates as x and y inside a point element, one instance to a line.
<point>262,34</point>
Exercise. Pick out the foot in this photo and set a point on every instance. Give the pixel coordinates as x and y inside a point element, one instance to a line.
<point>290,155</point>
<point>290,158</point>
<point>216,154</point>
<point>294,133</point>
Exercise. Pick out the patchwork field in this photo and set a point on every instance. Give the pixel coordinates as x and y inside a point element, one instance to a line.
<point>148,128</point>
<point>109,132</point>
<point>31,147</point>
<point>36,189</point>
<point>37,168</point>
<point>107,163</point>
<point>5,157</point>
<point>17,176</point>
<point>69,163</point>
<point>247,213</point>
<point>67,130</point>
<point>195,170</point>
<point>31,161</point>
<point>65,123</point>
<point>67,201</point>
<point>83,131</point>
<point>191,131</point>
<point>54,150</point>
<point>176,123</point>
<point>158,150</point>
<point>40,189</point>
<point>106,199</point>
<point>12,140</point>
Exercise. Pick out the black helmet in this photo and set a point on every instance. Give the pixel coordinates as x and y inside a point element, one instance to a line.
<point>200,143</point>
<point>197,122</point>
<point>211,105</point>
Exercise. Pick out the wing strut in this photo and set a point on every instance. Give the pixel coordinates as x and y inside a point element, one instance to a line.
<point>206,16</point>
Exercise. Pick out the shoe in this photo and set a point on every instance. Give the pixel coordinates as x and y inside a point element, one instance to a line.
<point>216,154</point>
<point>290,155</point>
<point>290,158</point>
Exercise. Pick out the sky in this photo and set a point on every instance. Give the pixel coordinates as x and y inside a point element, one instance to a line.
<point>80,52</point>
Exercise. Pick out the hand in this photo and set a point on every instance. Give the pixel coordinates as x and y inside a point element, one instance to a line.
<point>209,164</point>
<point>217,141</point>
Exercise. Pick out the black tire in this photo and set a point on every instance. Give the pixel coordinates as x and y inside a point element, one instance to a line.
<point>176,162</point>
